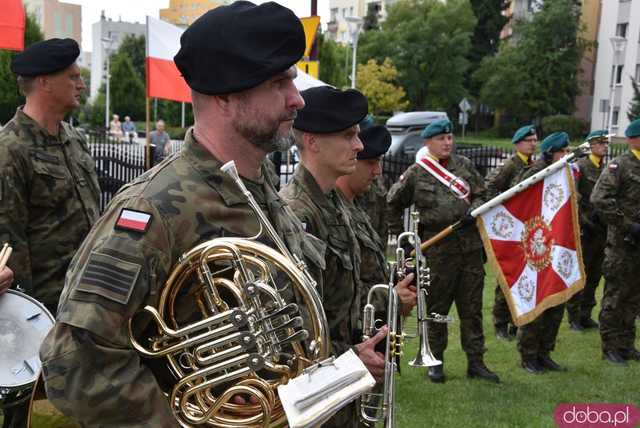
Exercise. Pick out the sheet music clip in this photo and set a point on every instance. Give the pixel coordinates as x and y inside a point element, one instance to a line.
<point>331,361</point>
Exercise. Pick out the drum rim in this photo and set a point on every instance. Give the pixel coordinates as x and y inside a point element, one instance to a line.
<point>19,387</point>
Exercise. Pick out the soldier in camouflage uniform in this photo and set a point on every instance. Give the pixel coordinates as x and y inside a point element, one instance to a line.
<point>49,193</point>
<point>373,267</point>
<point>593,234</point>
<point>537,339</point>
<point>500,180</point>
<point>374,203</point>
<point>327,139</point>
<point>91,371</point>
<point>616,198</point>
<point>456,262</point>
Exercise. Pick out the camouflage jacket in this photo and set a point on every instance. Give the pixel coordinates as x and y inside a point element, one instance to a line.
<point>374,203</point>
<point>326,217</point>
<point>49,198</point>
<point>589,174</point>
<point>92,372</point>
<point>616,198</point>
<point>373,266</point>
<point>438,206</point>
<point>503,177</point>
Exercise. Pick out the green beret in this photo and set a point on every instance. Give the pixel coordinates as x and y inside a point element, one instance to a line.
<point>633,130</point>
<point>595,136</point>
<point>554,142</point>
<point>376,140</point>
<point>523,133</point>
<point>442,126</point>
<point>46,57</point>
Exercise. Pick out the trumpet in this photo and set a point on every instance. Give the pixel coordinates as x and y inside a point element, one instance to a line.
<point>425,357</point>
<point>375,406</point>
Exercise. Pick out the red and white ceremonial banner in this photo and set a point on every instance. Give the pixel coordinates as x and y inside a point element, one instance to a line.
<point>12,23</point>
<point>163,77</point>
<point>533,242</point>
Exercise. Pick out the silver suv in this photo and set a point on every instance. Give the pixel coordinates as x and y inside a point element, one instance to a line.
<point>405,129</point>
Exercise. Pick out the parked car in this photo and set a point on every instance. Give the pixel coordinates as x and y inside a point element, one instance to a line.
<point>405,129</point>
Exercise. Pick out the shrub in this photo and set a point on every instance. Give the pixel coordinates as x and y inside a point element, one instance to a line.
<point>576,128</point>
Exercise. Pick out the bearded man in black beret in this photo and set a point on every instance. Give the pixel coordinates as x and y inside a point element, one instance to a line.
<point>49,193</point>
<point>239,61</point>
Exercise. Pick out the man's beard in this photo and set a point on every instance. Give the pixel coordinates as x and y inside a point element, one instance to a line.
<point>264,138</point>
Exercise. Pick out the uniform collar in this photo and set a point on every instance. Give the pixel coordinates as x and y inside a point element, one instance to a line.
<point>596,160</point>
<point>308,182</point>
<point>208,166</point>
<point>443,162</point>
<point>636,153</point>
<point>524,158</point>
<point>42,136</point>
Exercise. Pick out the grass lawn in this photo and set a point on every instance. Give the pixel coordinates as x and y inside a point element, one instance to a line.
<point>522,400</point>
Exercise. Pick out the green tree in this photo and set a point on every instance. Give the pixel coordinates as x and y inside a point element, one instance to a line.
<point>127,95</point>
<point>536,73</point>
<point>634,106</point>
<point>134,47</point>
<point>10,97</point>
<point>428,41</point>
<point>378,83</point>
<point>332,62</point>
<point>486,35</point>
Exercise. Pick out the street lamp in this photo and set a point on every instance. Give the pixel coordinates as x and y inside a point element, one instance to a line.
<point>618,44</point>
<point>106,44</point>
<point>355,24</point>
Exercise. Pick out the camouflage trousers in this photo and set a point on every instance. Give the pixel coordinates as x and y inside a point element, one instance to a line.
<point>539,336</point>
<point>457,279</point>
<point>347,417</point>
<point>581,304</point>
<point>620,302</point>
<point>501,313</point>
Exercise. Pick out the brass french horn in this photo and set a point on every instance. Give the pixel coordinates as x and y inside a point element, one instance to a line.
<point>227,327</point>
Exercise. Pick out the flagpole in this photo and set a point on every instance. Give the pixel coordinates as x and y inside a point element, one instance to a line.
<point>148,133</point>
<point>579,151</point>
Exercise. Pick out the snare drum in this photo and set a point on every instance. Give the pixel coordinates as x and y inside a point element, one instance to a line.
<point>24,323</point>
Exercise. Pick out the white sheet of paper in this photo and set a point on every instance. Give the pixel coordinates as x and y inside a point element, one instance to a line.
<point>316,395</point>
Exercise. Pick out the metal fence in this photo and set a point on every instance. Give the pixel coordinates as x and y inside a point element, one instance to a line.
<point>118,163</point>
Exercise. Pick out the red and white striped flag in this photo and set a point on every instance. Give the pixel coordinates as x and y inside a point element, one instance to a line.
<point>533,242</point>
<point>163,77</point>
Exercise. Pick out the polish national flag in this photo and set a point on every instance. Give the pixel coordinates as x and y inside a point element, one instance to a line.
<point>12,23</point>
<point>163,78</point>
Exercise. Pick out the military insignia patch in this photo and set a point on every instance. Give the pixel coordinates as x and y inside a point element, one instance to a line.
<point>132,220</point>
<point>109,277</point>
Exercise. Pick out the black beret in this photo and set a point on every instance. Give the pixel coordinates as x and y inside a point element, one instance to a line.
<point>45,57</point>
<point>330,110</point>
<point>236,47</point>
<point>376,140</point>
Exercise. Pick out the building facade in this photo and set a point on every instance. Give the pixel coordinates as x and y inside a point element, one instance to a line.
<point>617,63</point>
<point>107,36</point>
<point>184,12</point>
<point>57,19</point>
<point>338,28</point>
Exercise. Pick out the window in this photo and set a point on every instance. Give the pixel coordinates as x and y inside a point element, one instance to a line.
<point>619,75</point>
<point>334,13</point>
<point>621,29</point>
<point>351,11</point>
<point>637,72</point>
<point>616,114</point>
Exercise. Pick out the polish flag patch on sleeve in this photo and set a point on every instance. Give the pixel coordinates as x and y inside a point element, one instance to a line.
<point>132,220</point>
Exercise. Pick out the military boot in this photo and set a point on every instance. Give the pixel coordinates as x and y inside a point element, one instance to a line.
<point>630,354</point>
<point>477,369</point>
<point>614,357</point>
<point>576,325</point>
<point>547,363</point>
<point>589,323</point>
<point>532,365</point>
<point>436,373</point>
<point>502,332</point>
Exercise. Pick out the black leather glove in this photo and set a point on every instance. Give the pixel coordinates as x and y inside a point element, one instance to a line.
<point>467,220</point>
